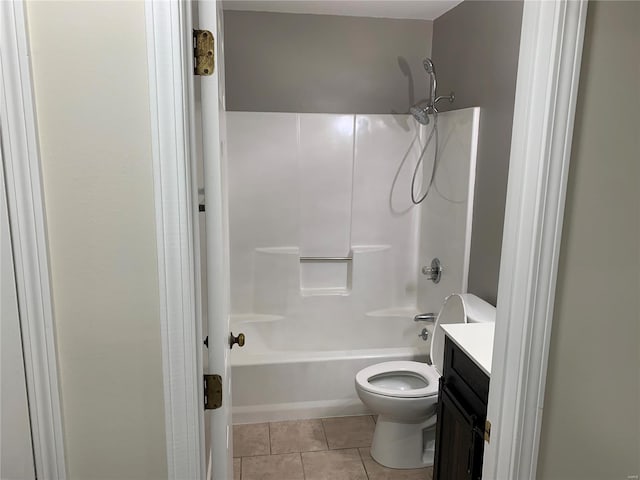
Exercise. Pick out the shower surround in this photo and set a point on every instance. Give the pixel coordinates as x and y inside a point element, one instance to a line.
<point>326,249</point>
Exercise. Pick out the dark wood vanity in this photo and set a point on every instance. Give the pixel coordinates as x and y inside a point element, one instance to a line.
<point>462,411</point>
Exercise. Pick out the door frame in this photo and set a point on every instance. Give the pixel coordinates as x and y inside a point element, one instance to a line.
<point>546,92</point>
<point>547,83</point>
<point>169,54</point>
<point>25,202</point>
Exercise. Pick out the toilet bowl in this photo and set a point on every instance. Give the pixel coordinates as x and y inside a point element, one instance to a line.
<point>405,394</point>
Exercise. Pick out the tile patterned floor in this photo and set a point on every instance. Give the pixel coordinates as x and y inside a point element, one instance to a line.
<point>319,449</point>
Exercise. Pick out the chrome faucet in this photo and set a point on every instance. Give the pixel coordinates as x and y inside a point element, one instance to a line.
<point>425,317</point>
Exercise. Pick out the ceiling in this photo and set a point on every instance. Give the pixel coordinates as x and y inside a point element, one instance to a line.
<point>411,9</point>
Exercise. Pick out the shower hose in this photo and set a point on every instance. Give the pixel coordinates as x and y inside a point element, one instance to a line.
<point>434,132</point>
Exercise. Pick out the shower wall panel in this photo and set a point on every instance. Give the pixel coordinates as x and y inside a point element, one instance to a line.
<point>387,149</point>
<point>263,190</point>
<point>328,185</point>
<point>447,212</point>
<point>321,185</point>
<point>326,166</point>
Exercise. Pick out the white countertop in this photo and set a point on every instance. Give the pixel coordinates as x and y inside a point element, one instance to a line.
<point>475,339</point>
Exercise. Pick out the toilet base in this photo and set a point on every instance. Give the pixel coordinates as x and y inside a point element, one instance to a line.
<point>404,445</point>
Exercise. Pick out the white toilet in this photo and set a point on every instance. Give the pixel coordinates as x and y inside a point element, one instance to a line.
<point>404,394</point>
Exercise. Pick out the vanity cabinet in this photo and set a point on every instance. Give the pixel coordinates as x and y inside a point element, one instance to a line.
<point>462,411</point>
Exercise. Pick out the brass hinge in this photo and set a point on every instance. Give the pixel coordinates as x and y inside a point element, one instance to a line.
<point>487,431</point>
<point>203,52</point>
<point>212,392</point>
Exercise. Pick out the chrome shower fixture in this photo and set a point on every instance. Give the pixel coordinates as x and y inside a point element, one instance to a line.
<point>428,65</point>
<point>421,114</point>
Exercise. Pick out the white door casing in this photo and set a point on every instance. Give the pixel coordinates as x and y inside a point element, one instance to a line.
<point>550,53</point>
<point>175,153</point>
<point>16,451</point>
<point>169,51</point>
<point>546,92</point>
<point>23,179</point>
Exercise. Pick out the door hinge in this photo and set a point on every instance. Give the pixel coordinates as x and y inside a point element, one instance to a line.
<point>487,431</point>
<point>203,52</point>
<point>212,392</point>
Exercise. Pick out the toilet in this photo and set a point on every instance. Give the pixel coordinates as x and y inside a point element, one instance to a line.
<point>404,394</point>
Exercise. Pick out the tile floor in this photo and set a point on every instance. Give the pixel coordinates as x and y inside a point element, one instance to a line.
<point>319,449</point>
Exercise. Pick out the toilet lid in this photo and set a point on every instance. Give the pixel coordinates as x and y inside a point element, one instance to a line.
<point>452,311</point>
<point>399,379</point>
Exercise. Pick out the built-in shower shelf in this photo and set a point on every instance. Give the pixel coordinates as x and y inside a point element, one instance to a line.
<point>240,318</point>
<point>319,292</point>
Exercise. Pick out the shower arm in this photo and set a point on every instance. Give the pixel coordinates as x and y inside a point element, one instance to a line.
<point>451,97</point>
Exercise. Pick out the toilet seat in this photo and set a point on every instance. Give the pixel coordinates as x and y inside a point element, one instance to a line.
<point>400,379</point>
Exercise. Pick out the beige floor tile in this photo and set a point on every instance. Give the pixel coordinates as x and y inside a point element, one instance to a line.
<point>333,465</point>
<point>375,471</point>
<point>273,467</point>
<point>348,432</point>
<point>237,465</point>
<point>297,436</point>
<point>250,440</point>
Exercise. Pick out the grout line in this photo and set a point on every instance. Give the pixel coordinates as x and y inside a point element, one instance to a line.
<point>324,435</point>
<point>326,439</point>
<point>364,467</point>
<point>269,430</point>
<point>304,474</point>
<point>347,448</point>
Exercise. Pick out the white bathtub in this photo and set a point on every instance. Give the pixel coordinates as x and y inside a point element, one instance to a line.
<point>313,377</point>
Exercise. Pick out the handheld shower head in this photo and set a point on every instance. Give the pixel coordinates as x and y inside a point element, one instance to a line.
<point>427,63</point>
<point>420,114</point>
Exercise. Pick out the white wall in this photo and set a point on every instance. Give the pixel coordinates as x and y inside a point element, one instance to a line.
<point>89,64</point>
<point>591,422</point>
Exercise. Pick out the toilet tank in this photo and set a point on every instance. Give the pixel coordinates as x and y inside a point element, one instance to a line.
<point>477,309</point>
<point>457,308</point>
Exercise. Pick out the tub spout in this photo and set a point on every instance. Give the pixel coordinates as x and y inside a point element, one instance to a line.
<point>425,317</point>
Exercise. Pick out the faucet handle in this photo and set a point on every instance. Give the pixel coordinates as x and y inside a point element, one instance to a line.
<point>425,317</point>
<point>434,272</point>
<point>424,334</point>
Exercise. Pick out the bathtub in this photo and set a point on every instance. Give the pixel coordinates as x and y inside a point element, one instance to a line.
<point>275,378</point>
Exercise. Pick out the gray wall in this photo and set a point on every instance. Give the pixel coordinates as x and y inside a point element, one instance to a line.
<point>591,422</point>
<point>281,62</point>
<point>475,51</point>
